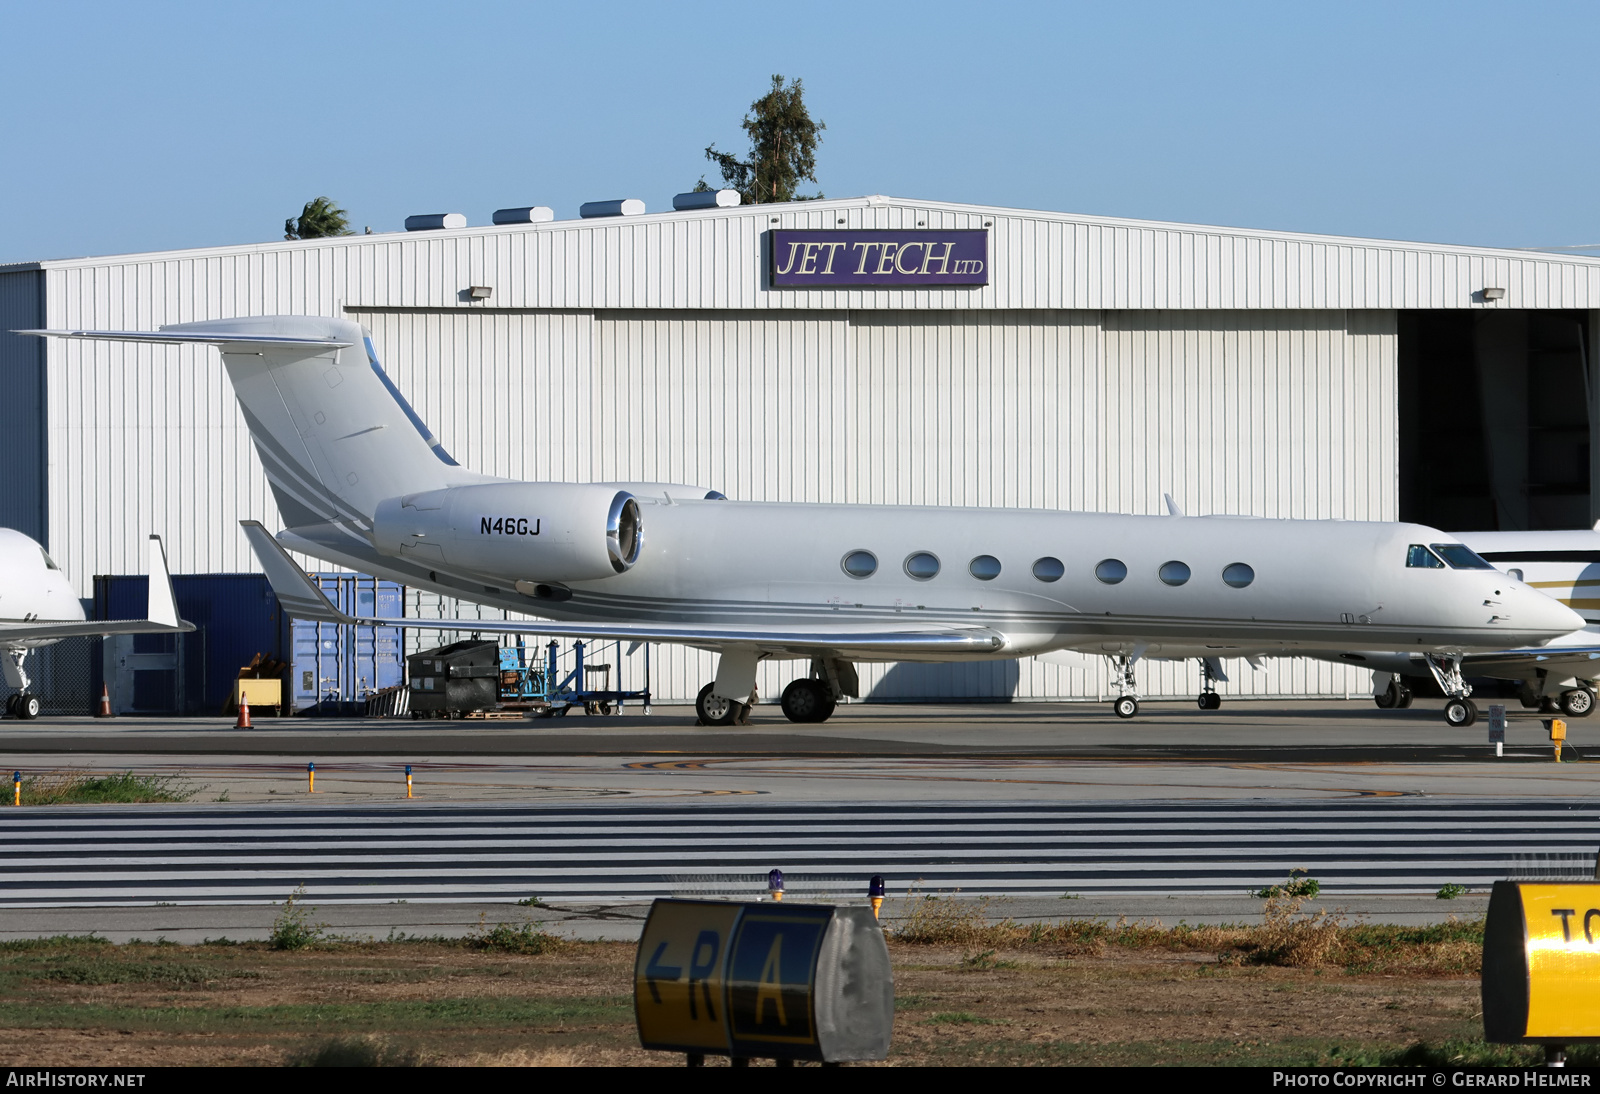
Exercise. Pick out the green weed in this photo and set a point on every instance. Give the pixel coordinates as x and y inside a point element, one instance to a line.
<point>82,788</point>
<point>353,1052</point>
<point>524,938</point>
<point>292,930</point>
<point>1450,891</point>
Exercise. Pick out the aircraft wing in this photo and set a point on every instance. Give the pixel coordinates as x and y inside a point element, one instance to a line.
<point>187,338</point>
<point>161,613</point>
<point>301,598</point>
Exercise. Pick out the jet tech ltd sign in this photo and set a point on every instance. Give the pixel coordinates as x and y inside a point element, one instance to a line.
<point>825,258</point>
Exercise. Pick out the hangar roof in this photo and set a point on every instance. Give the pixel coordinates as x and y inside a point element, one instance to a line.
<point>717,259</point>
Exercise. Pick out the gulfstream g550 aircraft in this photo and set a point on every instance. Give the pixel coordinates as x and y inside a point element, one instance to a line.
<point>39,608</point>
<point>363,483</point>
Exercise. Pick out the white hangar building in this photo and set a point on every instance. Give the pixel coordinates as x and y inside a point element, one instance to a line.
<point>1085,363</point>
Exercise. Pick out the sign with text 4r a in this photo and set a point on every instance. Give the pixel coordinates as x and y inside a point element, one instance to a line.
<point>764,980</point>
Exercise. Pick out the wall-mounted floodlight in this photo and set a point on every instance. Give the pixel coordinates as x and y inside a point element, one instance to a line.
<point>706,199</point>
<point>427,222</point>
<point>480,292</point>
<point>525,214</point>
<point>1494,294</point>
<point>621,207</point>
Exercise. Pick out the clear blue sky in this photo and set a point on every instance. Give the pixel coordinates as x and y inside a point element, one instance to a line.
<point>154,125</point>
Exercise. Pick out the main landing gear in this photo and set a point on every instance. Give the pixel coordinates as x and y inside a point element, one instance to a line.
<point>807,700</point>
<point>1126,704</point>
<point>1394,697</point>
<point>1210,673</point>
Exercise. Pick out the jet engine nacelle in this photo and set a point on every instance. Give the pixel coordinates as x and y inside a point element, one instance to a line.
<point>518,531</point>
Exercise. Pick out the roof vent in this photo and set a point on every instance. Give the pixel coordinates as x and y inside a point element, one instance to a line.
<point>706,199</point>
<point>526,214</point>
<point>622,207</point>
<point>427,222</point>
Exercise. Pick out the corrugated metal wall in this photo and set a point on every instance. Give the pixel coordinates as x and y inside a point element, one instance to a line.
<point>23,454</point>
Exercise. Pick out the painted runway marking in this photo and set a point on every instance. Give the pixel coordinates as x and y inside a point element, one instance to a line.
<point>636,851</point>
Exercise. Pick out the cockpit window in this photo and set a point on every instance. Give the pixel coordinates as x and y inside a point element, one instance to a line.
<point>1419,557</point>
<point>49,563</point>
<point>1461,557</point>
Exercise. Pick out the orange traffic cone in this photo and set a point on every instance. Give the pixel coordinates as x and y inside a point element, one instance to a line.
<point>104,710</point>
<point>244,715</point>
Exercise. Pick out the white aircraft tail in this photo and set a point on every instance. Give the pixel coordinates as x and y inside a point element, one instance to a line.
<point>334,434</point>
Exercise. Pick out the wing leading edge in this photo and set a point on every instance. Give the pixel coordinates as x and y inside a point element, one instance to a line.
<point>300,596</point>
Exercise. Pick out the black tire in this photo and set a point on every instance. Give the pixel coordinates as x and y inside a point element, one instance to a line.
<point>1460,712</point>
<point>1577,703</point>
<point>715,712</point>
<point>1125,707</point>
<point>807,701</point>
<point>1405,698</point>
<point>28,706</point>
<point>1388,698</point>
<point>11,705</point>
<point>1210,701</point>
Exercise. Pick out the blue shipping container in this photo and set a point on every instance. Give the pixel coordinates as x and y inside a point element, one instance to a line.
<point>335,668</point>
<point>236,617</point>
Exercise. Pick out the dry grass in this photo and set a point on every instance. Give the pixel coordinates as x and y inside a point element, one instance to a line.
<point>1288,937</point>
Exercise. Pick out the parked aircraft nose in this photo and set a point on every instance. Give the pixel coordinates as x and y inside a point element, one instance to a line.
<point>1531,611</point>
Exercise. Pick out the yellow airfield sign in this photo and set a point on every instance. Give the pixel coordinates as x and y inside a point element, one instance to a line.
<point>1541,963</point>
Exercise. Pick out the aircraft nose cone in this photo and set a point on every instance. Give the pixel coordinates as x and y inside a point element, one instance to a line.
<point>1545,614</point>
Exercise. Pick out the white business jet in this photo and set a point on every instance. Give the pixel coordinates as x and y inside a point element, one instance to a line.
<point>363,483</point>
<point>1558,675</point>
<point>38,607</point>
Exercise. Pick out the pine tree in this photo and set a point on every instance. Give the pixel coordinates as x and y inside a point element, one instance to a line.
<point>783,149</point>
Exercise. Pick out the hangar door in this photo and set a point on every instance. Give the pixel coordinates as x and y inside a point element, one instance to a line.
<point>1496,420</point>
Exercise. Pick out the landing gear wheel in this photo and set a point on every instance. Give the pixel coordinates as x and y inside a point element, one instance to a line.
<point>714,711</point>
<point>28,706</point>
<point>1405,697</point>
<point>11,705</point>
<point>1394,697</point>
<point>1460,712</point>
<point>1210,701</point>
<point>1126,707</point>
<point>1577,703</point>
<point>807,700</point>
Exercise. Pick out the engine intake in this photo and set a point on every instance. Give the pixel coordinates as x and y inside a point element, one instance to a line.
<point>527,533</point>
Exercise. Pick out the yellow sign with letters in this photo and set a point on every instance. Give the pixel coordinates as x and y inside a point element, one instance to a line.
<point>1541,963</point>
<point>678,986</point>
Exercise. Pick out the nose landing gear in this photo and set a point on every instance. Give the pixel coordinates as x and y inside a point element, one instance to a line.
<point>1459,710</point>
<point>1123,683</point>
<point>1210,673</point>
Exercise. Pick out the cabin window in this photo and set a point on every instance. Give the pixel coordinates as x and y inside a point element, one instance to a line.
<point>1111,570</point>
<point>860,563</point>
<point>1461,557</point>
<point>1419,557</point>
<point>922,565</point>
<point>1048,569</point>
<point>984,567</point>
<point>49,563</point>
<point>1174,573</point>
<point>1238,574</point>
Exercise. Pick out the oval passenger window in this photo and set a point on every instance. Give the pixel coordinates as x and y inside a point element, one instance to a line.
<point>1174,573</point>
<point>984,567</point>
<point>860,563</point>
<point>1048,569</point>
<point>1111,570</point>
<point>1238,574</point>
<point>922,565</point>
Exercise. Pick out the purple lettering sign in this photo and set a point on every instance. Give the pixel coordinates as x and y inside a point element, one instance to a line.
<point>817,258</point>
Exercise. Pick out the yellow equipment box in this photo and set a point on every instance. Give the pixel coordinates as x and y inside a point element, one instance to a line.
<point>1541,963</point>
<point>258,693</point>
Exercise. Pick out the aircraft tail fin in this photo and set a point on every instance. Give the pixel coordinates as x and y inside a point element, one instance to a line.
<point>334,434</point>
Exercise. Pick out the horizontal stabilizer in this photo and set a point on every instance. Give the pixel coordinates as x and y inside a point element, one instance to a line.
<point>301,598</point>
<point>189,338</point>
